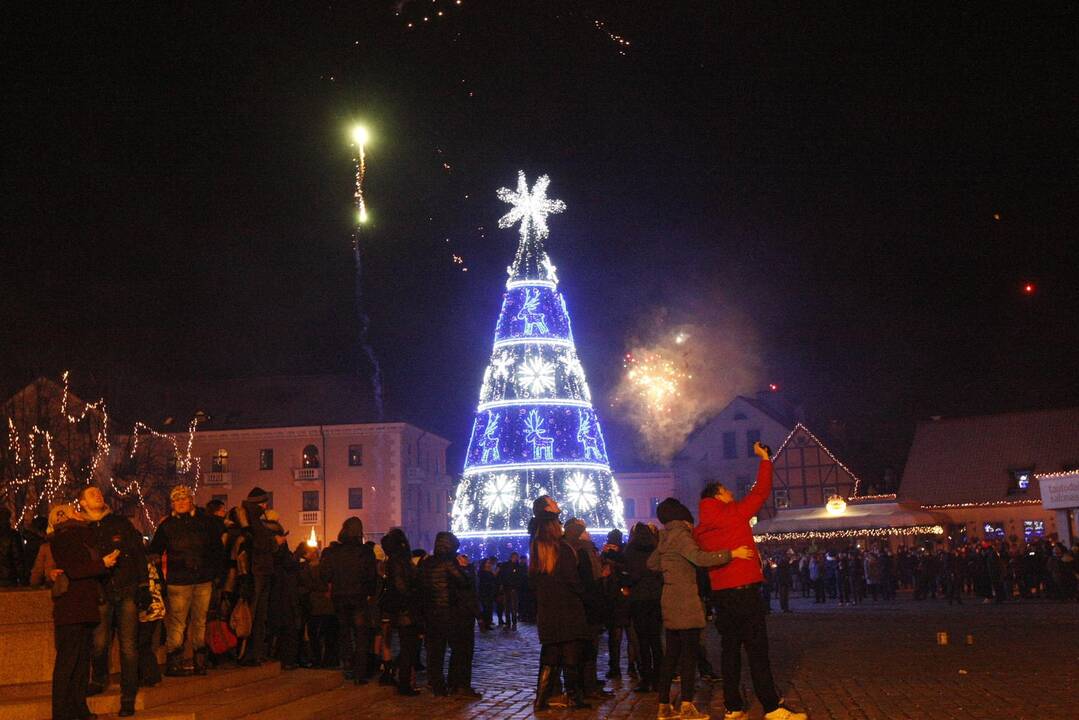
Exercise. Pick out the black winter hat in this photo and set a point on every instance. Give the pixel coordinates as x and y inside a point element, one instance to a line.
<point>614,537</point>
<point>258,495</point>
<point>670,510</point>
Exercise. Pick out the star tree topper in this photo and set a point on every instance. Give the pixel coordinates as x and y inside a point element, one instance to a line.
<point>530,208</point>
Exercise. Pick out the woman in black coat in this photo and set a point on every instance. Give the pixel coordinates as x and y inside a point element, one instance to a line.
<point>75,611</point>
<point>560,616</point>
<point>401,603</point>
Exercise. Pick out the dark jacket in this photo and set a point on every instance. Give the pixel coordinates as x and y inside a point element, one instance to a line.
<point>284,610</point>
<point>511,575</point>
<point>115,532</point>
<point>645,585</point>
<point>349,566</point>
<point>559,609</point>
<point>193,552</point>
<point>73,549</point>
<point>257,538</point>
<point>401,601</point>
<point>448,593</point>
<point>11,557</point>
<point>314,591</point>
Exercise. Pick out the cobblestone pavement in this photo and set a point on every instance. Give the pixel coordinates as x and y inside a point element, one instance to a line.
<point>836,663</point>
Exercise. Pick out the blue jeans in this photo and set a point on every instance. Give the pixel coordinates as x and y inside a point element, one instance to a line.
<point>187,608</point>
<point>122,616</point>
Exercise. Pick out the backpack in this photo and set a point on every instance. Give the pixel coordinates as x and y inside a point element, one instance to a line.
<point>219,637</point>
<point>241,620</point>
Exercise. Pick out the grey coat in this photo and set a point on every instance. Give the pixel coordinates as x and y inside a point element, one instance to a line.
<point>678,557</point>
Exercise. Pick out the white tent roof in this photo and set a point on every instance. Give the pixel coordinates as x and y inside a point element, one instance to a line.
<point>856,516</point>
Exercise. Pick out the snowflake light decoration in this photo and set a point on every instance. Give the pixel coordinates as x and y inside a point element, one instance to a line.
<point>461,515</point>
<point>581,492</point>
<point>501,365</point>
<point>530,208</point>
<point>499,494</point>
<point>536,375</point>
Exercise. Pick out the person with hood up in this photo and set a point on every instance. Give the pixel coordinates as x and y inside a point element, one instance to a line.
<point>737,594</point>
<point>678,557</point>
<point>349,569</point>
<point>449,611</point>
<point>74,609</point>
<point>400,603</point>
<point>616,590</point>
<point>192,553</point>
<point>126,592</point>
<point>590,568</point>
<point>560,612</point>
<point>645,587</point>
<point>259,546</point>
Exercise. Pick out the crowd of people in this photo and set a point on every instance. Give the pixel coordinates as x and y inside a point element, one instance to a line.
<point>218,586</point>
<point>992,571</point>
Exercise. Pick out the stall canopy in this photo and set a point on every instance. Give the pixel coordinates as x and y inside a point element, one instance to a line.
<point>877,519</point>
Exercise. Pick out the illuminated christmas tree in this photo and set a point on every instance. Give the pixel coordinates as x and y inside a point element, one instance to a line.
<point>535,431</point>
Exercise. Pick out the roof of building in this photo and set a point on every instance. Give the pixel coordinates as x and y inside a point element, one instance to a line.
<point>867,516</point>
<point>761,407</point>
<point>806,437</point>
<point>967,460</point>
<point>265,402</point>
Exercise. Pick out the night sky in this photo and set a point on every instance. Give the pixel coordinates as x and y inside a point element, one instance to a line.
<point>869,187</point>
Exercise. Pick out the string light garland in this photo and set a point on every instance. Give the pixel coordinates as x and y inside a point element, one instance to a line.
<point>620,42</point>
<point>843,534</point>
<point>57,475</point>
<point>822,446</point>
<point>995,503</point>
<point>535,431</point>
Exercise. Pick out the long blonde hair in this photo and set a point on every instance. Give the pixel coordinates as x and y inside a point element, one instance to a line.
<point>543,555</point>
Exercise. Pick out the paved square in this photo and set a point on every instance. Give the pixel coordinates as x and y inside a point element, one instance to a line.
<point>836,663</point>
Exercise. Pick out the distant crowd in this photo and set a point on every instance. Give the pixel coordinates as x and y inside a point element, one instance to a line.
<point>992,571</point>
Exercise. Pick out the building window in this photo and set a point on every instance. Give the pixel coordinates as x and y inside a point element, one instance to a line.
<point>752,436</point>
<point>355,455</point>
<point>654,504</point>
<point>310,457</point>
<point>310,500</point>
<point>223,499</point>
<point>743,486</point>
<point>730,451</point>
<point>1033,529</point>
<point>220,461</point>
<point>355,498</point>
<point>269,501</point>
<point>630,506</point>
<point>266,459</point>
<point>1020,480</point>
<point>993,529</point>
<point>783,499</point>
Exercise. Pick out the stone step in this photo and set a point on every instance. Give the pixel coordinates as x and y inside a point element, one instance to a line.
<point>249,699</point>
<point>33,701</point>
<point>341,700</point>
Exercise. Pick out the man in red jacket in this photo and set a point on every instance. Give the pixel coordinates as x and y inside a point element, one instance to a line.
<point>737,592</point>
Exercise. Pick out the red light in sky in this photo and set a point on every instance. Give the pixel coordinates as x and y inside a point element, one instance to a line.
<point>773,387</point>
<point>1028,289</point>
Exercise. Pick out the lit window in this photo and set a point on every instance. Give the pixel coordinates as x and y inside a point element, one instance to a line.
<point>355,498</point>
<point>355,455</point>
<point>310,457</point>
<point>266,459</point>
<point>783,499</point>
<point>220,462</point>
<point>1020,480</point>
<point>993,529</point>
<point>310,500</point>
<point>1033,529</point>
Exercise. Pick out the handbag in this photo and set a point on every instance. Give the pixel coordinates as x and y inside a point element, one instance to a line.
<point>60,585</point>
<point>219,637</point>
